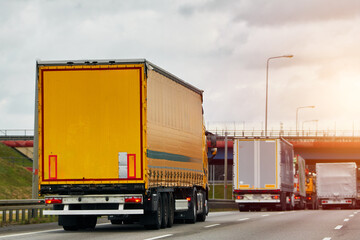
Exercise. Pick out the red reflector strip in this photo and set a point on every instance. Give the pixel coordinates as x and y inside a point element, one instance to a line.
<point>133,200</point>
<point>53,200</point>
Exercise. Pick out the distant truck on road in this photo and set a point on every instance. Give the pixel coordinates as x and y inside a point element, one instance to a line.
<point>263,174</point>
<point>336,185</point>
<point>119,138</point>
<point>311,198</point>
<point>300,182</point>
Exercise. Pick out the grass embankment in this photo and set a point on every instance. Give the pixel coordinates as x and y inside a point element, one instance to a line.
<point>219,191</point>
<point>15,179</point>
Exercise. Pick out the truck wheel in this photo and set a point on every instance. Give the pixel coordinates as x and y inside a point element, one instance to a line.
<point>71,228</point>
<point>88,222</point>
<point>116,221</point>
<point>192,211</point>
<point>171,210</point>
<point>165,211</point>
<point>202,216</point>
<point>156,217</point>
<point>243,208</point>
<point>70,223</point>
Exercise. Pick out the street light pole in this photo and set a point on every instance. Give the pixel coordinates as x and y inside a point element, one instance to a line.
<point>297,115</point>
<point>267,76</point>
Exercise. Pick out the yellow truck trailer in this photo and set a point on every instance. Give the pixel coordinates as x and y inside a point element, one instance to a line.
<point>119,138</point>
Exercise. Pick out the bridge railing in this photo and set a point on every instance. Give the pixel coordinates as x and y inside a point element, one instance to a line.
<point>17,132</point>
<point>286,133</point>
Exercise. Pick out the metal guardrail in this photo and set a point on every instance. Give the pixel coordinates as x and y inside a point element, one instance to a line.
<point>222,204</point>
<point>22,210</point>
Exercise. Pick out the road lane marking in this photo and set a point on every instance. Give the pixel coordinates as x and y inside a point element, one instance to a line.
<point>327,238</point>
<point>265,215</point>
<point>338,227</point>
<point>355,212</point>
<point>213,225</point>
<point>346,220</point>
<point>158,237</point>
<point>29,233</point>
<point>100,224</point>
<point>243,219</point>
<point>281,212</point>
<point>351,215</point>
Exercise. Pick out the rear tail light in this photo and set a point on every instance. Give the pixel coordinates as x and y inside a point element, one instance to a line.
<point>308,198</point>
<point>188,199</point>
<point>133,200</point>
<point>324,201</point>
<point>53,200</point>
<point>348,201</point>
<point>239,197</point>
<point>297,197</point>
<point>275,197</point>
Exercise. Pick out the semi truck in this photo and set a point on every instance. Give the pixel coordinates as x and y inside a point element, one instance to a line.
<point>263,174</point>
<point>311,198</point>
<point>336,185</point>
<point>300,182</point>
<point>119,138</point>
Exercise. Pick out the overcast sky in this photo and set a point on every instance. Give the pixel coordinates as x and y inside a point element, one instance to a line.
<point>218,46</point>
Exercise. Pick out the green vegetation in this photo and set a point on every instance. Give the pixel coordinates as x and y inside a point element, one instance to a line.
<point>219,191</point>
<point>13,156</point>
<point>15,179</point>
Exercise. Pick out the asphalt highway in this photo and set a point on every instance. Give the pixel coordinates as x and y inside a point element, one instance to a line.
<point>294,225</point>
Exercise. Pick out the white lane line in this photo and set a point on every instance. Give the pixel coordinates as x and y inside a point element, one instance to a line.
<point>355,212</point>
<point>243,219</point>
<point>327,238</point>
<point>100,224</point>
<point>346,220</point>
<point>158,237</point>
<point>338,227</point>
<point>213,225</point>
<point>351,215</point>
<point>29,233</point>
<point>281,212</point>
<point>265,215</point>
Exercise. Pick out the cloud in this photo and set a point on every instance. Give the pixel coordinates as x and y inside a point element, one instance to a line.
<point>218,46</point>
<point>282,12</point>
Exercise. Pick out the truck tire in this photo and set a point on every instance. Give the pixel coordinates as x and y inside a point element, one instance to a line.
<point>70,223</point>
<point>192,210</point>
<point>171,211</point>
<point>202,216</point>
<point>156,216</point>
<point>88,222</point>
<point>71,228</point>
<point>165,211</point>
